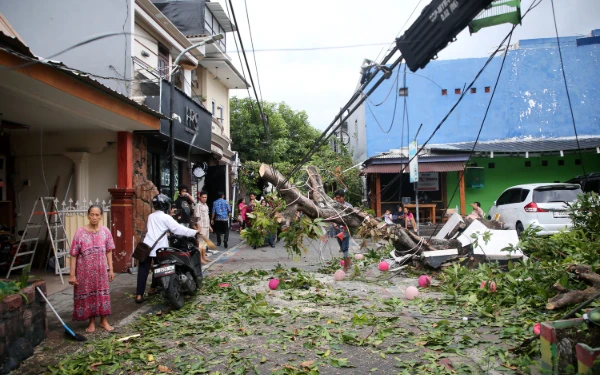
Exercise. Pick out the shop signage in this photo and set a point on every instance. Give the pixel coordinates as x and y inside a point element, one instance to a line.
<point>190,118</point>
<point>429,181</point>
<point>413,166</point>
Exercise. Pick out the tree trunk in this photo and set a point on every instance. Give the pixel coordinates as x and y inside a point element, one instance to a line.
<point>568,297</point>
<point>322,206</point>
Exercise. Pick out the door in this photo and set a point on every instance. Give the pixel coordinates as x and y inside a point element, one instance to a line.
<point>214,182</point>
<point>507,207</point>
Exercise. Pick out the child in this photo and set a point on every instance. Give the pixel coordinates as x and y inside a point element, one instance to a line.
<point>388,217</point>
<point>408,217</point>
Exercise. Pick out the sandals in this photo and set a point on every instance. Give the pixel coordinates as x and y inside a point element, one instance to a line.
<point>141,300</point>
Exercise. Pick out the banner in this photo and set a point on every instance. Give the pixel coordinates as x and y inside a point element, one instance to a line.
<point>413,166</point>
<point>429,181</point>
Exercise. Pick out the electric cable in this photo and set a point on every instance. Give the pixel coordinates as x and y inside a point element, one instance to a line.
<point>253,53</point>
<point>402,28</point>
<point>357,94</point>
<point>395,105</point>
<point>479,132</point>
<point>562,64</point>
<point>388,94</point>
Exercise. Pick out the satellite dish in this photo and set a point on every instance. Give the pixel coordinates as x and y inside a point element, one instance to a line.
<point>344,138</point>
<point>199,170</point>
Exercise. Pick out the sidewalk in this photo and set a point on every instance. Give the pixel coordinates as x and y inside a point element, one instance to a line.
<point>124,311</point>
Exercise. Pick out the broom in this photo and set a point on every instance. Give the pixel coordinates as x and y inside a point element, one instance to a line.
<point>68,330</point>
<point>209,243</point>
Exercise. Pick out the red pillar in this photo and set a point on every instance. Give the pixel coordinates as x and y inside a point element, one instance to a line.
<point>122,204</point>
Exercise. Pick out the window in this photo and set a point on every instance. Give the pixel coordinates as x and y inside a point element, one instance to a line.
<point>509,196</point>
<point>561,162</point>
<point>491,165</point>
<point>444,92</point>
<point>544,163</point>
<point>213,108</point>
<point>528,163</point>
<point>220,113</point>
<point>554,193</point>
<point>473,90</point>
<point>577,161</point>
<point>487,89</point>
<point>524,194</point>
<point>457,91</point>
<point>163,60</point>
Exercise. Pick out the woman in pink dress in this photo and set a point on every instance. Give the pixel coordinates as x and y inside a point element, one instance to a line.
<point>91,255</point>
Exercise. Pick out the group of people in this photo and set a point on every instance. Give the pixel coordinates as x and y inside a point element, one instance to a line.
<point>402,217</point>
<point>246,221</point>
<point>91,266</point>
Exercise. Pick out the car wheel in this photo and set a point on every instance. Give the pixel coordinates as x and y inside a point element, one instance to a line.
<point>519,228</point>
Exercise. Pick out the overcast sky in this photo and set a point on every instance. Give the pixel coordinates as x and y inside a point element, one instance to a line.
<point>320,82</point>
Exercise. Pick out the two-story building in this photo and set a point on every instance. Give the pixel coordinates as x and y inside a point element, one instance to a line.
<point>212,81</point>
<point>130,47</point>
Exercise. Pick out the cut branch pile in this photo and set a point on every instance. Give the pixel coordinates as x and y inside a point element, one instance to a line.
<point>568,297</point>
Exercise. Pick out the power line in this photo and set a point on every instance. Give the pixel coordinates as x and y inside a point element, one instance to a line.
<point>253,53</point>
<point>402,28</point>
<point>480,128</point>
<point>562,65</point>
<point>300,49</point>
<point>395,105</point>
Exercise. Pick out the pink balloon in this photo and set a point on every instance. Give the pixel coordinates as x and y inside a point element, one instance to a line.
<point>358,256</point>
<point>339,275</point>
<point>537,329</point>
<point>492,287</point>
<point>342,262</point>
<point>224,285</point>
<point>424,281</point>
<point>273,284</point>
<point>384,266</point>
<point>411,292</point>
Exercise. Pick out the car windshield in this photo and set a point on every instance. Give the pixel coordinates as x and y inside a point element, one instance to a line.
<point>547,194</point>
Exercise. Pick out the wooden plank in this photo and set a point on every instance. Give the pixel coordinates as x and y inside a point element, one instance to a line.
<point>378,194</point>
<point>463,199</point>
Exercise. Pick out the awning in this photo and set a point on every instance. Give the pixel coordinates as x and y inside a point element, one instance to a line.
<point>449,166</point>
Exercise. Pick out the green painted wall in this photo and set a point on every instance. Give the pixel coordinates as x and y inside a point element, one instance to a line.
<point>510,171</point>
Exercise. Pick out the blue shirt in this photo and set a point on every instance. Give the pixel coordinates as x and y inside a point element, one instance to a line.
<point>221,209</point>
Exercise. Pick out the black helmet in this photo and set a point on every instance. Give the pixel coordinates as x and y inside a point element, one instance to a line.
<point>161,203</point>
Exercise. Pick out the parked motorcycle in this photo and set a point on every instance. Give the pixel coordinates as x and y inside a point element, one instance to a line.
<point>179,269</point>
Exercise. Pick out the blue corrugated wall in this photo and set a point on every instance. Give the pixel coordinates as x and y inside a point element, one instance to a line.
<point>530,100</point>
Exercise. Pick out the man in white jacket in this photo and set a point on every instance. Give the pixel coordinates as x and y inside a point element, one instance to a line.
<point>159,223</point>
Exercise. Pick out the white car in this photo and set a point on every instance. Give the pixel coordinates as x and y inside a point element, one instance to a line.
<point>540,205</point>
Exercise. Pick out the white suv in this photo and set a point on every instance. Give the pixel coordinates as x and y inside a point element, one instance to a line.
<point>541,205</point>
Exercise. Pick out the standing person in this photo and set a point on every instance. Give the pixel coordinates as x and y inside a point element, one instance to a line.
<point>184,203</point>
<point>264,205</point>
<point>241,212</point>
<point>159,223</point>
<point>249,209</point>
<point>477,212</point>
<point>202,214</point>
<point>91,253</point>
<point>340,197</point>
<point>220,219</point>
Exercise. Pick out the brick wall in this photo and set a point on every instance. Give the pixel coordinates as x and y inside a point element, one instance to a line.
<point>22,318</point>
<point>144,189</point>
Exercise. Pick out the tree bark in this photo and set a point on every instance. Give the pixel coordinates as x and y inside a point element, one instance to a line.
<point>568,297</point>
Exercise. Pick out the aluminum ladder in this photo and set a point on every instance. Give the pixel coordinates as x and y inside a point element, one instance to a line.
<point>53,223</point>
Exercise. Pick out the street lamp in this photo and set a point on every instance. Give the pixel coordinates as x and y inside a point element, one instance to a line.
<point>208,40</point>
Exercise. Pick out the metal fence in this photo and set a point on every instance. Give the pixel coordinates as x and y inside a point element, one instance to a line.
<point>74,215</point>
